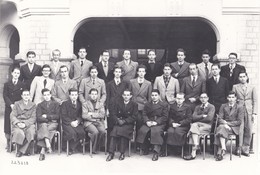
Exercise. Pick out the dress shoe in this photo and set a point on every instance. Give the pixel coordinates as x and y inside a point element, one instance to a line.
<point>238,152</point>
<point>155,157</point>
<point>19,154</point>
<point>145,152</point>
<point>245,154</point>
<point>219,157</point>
<point>42,157</point>
<point>163,154</point>
<point>110,157</point>
<point>223,152</point>
<point>122,156</point>
<point>49,150</point>
<point>189,157</point>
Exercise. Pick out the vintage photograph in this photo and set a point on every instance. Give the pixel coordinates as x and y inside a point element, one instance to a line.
<point>129,86</point>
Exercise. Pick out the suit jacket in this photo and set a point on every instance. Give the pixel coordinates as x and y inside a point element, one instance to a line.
<point>217,92</point>
<point>37,86</point>
<point>152,74</point>
<point>182,71</point>
<point>129,71</point>
<point>101,73</point>
<point>233,117</point>
<point>55,75</point>
<point>60,91</point>
<point>193,92</point>
<point>182,115</point>
<point>77,72</point>
<point>167,93</point>
<point>69,113</point>
<point>247,98</point>
<point>85,86</point>
<point>27,76</point>
<point>202,71</point>
<point>98,113</point>
<point>141,95</point>
<point>199,111</point>
<point>225,72</point>
<point>52,111</point>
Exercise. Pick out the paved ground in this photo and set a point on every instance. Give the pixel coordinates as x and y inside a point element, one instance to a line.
<point>135,164</point>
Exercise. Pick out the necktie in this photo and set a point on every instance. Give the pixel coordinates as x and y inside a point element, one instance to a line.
<point>230,107</point>
<point>206,71</point>
<point>216,80</point>
<point>231,70</point>
<point>93,81</point>
<point>74,104</point>
<point>44,83</point>
<point>105,69</point>
<point>64,82</point>
<point>81,63</point>
<point>15,82</point>
<point>193,81</point>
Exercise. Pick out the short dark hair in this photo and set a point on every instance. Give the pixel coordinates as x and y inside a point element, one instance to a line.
<point>117,67</point>
<point>151,50</point>
<point>46,66</point>
<point>45,90</point>
<point>192,64</point>
<point>127,90</point>
<point>16,68</point>
<point>141,66</point>
<point>92,90</point>
<point>206,51</point>
<point>62,66</point>
<point>72,90</point>
<point>216,64</point>
<point>232,93</point>
<point>181,50</point>
<point>30,53</point>
<point>167,65</point>
<point>82,47</point>
<point>104,51</point>
<point>233,53</point>
<point>156,90</point>
<point>180,93</point>
<point>93,67</point>
<point>244,72</point>
<point>25,90</point>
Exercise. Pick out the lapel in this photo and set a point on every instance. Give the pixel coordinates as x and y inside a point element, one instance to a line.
<point>162,82</point>
<point>183,68</point>
<point>234,109</point>
<point>35,67</point>
<point>64,87</point>
<point>190,82</point>
<point>176,66</point>
<point>100,66</point>
<point>90,106</point>
<point>77,64</point>
<point>24,107</point>
<point>198,81</point>
<point>26,68</point>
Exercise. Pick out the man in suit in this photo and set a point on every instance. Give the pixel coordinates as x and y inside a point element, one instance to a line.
<point>93,114</point>
<point>193,86</point>
<point>231,70</point>
<point>71,113</point>
<point>30,70</point>
<point>246,97</point>
<point>47,114</point>
<point>60,90</point>
<point>79,68</point>
<point>129,67</point>
<point>23,118</point>
<point>154,68</point>
<point>92,82</point>
<point>41,82</point>
<point>123,114</point>
<point>12,93</point>
<point>55,65</point>
<point>230,117</point>
<point>155,116</point>
<point>167,85</point>
<point>204,67</point>
<point>180,68</point>
<point>202,119</point>
<point>105,67</point>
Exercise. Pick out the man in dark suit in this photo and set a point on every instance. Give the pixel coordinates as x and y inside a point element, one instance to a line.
<point>180,68</point>
<point>231,70</point>
<point>12,93</point>
<point>155,116</point>
<point>105,67</point>
<point>123,114</point>
<point>30,70</point>
<point>154,68</point>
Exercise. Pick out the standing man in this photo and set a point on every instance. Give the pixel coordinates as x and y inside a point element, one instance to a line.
<point>79,68</point>
<point>55,65</point>
<point>154,68</point>
<point>129,67</point>
<point>105,67</point>
<point>246,97</point>
<point>123,113</point>
<point>30,70</point>
<point>12,93</point>
<point>23,118</point>
<point>205,66</point>
<point>155,116</point>
<point>231,70</point>
<point>41,82</point>
<point>180,68</point>
<point>167,85</point>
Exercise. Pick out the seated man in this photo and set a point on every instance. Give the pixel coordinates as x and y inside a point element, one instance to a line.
<point>71,113</point>
<point>47,114</point>
<point>155,116</point>
<point>23,117</point>
<point>230,117</point>
<point>202,119</point>
<point>123,114</point>
<point>179,121</point>
<point>93,114</point>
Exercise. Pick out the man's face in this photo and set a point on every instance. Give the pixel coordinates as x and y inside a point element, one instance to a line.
<point>243,78</point>
<point>155,96</point>
<point>47,96</point>
<point>26,96</point>
<point>73,96</point>
<point>141,72</point>
<point>127,55</point>
<point>215,70</point>
<point>93,95</point>
<point>31,58</point>
<point>117,73</point>
<point>82,53</point>
<point>16,73</point>
<point>64,73</point>
<point>151,56</point>
<point>105,56</point>
<point>167,71</point>
<point>46,72</point>
<point>180,99</point>
<point>193,69</point>
<point>180,56</point>
<point>56,55</point>
<point>204,98</point>
<point>232,59</point>
<point>232,98</point>
<point>127,96</point>
<point>93,73</point>
<point>205,58</point>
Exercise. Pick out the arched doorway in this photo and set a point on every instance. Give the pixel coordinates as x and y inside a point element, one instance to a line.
<point>194,34</point>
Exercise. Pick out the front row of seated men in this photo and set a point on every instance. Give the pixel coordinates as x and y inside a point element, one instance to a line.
<point>177,119</point>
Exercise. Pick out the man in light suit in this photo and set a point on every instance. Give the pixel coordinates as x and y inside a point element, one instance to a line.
<point>129,67</point>
<point>246,97</point>
<point>205,66</point>
<point>167,85</point>
<point>55,65</point>
<point>92,82</point>
<point>230,117</point>
<point>180,68</point>
<point>79,68</point>
<point>60,90</point>
<point>30,70</point>
<point>41,82</point>
<point>231,70</point>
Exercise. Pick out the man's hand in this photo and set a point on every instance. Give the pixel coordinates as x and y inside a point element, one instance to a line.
<point>121,122</point>
<point>12,106</point>
<point>254,118</point>
<point>192,100</point>
<point>204,115</point>
<point>228,127</point>
<point>74,124</point>
<point>175,125</point>
<point>21,125</point>
<point>44,115</point>
<point>176,75</point>
<point>154,123</point>
<point>149,123</point>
